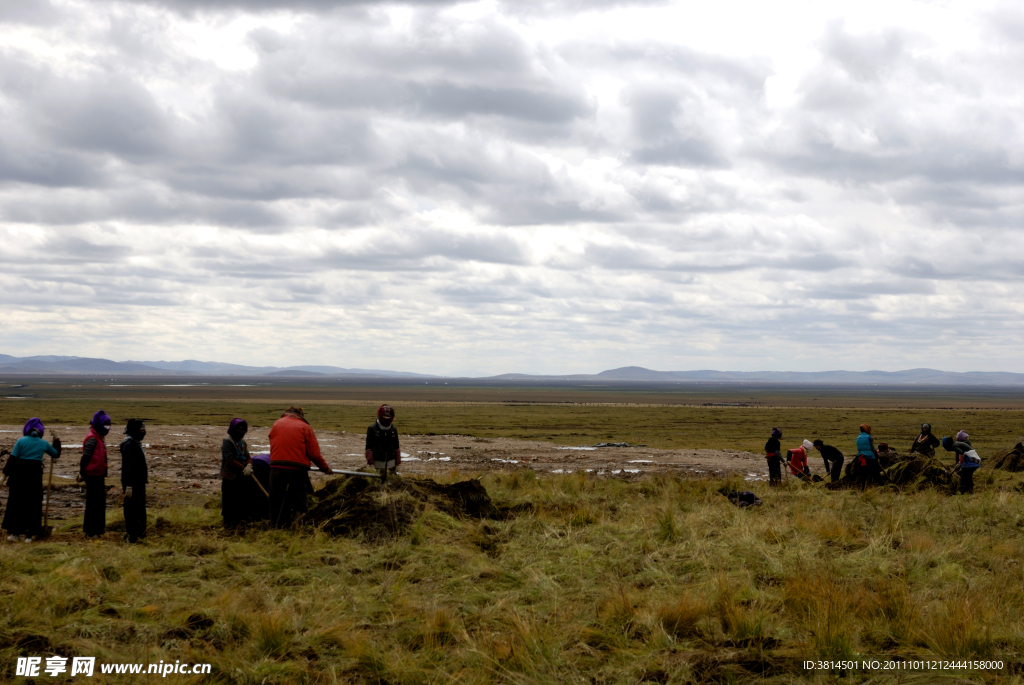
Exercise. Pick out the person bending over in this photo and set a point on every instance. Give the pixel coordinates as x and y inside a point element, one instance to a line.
<point>832,458</point>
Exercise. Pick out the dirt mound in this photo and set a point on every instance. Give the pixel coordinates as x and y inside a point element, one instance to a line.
<point>1010,460</point>
<point>352,505</point>
<point>908,472</point>
<point>918,472</point>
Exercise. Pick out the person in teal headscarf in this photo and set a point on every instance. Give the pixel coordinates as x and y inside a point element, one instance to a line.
<point>23,517</point>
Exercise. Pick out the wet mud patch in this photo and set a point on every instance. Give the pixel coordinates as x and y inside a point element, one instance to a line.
<point>351,505</point>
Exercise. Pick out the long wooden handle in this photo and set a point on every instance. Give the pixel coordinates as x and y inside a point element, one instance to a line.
<point>260,485</point>
<point>49,483</point>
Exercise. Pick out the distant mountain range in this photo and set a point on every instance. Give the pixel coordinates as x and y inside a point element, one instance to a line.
<point>908,377</point>
<point>78,366</point>
<point>85,366</point>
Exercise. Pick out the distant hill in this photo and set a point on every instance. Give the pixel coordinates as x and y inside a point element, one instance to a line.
<point>60,365</point>
<point>908,377</point>
<point>47,364</point>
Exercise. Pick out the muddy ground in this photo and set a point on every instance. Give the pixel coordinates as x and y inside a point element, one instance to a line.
<point>184,461</point>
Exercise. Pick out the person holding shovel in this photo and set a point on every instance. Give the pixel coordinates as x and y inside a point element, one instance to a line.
<point>967,460</point>
<point>236,485</point>
<point>797,460</point>
<point>832,458</point>
<point>93,470</point>
<point>134,478</point>
<point>293,450</point>
<point>24,471</point>
<point>382,449</point>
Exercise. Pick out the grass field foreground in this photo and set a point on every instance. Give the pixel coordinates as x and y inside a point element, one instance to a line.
<point>606,581</point>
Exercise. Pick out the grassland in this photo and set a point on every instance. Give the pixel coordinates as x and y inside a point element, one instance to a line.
<point>606,581</point>
<point>612,415</point>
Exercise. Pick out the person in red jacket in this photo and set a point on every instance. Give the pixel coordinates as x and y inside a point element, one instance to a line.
<point>93,470</point>
<point>293,449</point>
<point>797,460</point>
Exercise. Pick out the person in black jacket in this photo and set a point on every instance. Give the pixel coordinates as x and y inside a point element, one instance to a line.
<point>925,443</point>
<point>134,477</point>
<point>773,453</point>
<point>382,449</point>
<point>236,476</point>
<point>832,457</point>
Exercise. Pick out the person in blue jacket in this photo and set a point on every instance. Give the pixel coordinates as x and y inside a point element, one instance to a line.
<point>24,470</point>
<point>870,469</point>
<point>967,460</point>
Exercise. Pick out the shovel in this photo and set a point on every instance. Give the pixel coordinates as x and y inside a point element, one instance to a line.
<point>260,485</point>
<point>47,529</point>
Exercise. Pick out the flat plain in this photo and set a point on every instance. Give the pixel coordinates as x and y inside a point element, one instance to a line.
<point>646,577</point>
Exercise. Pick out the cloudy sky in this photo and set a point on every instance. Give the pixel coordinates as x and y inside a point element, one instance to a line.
<point>534,186</point>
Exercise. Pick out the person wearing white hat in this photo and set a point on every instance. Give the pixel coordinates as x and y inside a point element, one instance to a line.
<point>797,460</point>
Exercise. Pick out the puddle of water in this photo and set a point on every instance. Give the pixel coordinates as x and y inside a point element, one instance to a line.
<point>403,458</point>
<point>587,449</point>
<point>632,470</point>
<point>440,459</point>
<point>641,461</point>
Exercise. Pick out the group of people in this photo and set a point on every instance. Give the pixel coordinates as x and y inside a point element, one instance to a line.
<point>867,468</point>
<point>257,487</point>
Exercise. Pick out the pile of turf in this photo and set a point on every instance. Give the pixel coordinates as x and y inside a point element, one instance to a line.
<point>353,506</point>
<point>917,472</point>
<point>907,472</point>
<point>1011,459</point>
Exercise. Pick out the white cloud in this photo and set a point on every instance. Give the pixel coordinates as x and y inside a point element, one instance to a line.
<point>537,187</point>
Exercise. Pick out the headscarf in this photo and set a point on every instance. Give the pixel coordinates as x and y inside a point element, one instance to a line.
<point>385,416</point>
<point>101,422</point>
<point>776,433</point>
<point>865,428</point>
<point>133,427</point>
<point>808,445</point>
<point>947,444</point>
<point>962,436</point>
<point>34,424</point>
<point>238,423</point>
<point>926,428</point>
<point>297,411</point>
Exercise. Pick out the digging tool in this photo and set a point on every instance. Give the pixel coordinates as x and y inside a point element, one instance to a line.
<point>365,474</point>
<point>47,529</point>
<point>260,485</point>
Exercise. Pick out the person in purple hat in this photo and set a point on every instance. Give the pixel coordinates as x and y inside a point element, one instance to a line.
<point>23,517</point>
<point>93,470</point>
<point>236,485</point>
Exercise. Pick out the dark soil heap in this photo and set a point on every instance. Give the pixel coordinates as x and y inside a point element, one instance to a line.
<point>1011,459</point>
<point>352,505</point>
<point>916,472</point>
<point>907,472</point>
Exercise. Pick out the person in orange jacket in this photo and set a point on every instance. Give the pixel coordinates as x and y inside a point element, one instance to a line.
<point>293,450</point>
